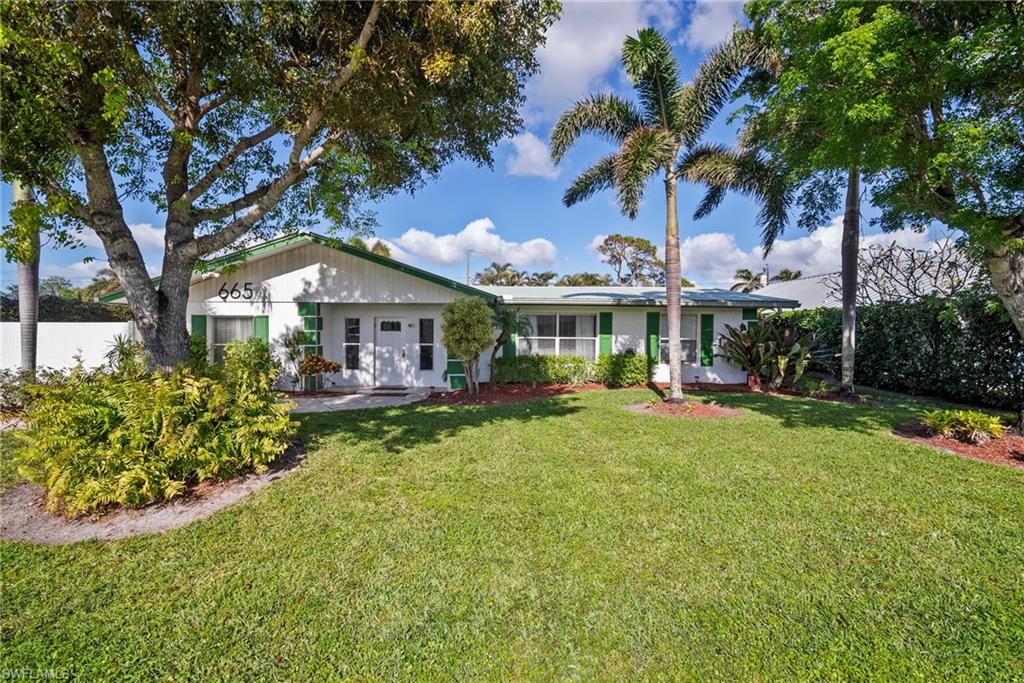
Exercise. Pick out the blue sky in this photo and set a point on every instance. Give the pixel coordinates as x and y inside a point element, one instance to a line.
<point>513,211</point>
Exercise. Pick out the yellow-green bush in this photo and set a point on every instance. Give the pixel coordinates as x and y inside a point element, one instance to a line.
<point>543,370</point>
<point>102,438</point>
<point>971,426</point>
<point>623,370</point>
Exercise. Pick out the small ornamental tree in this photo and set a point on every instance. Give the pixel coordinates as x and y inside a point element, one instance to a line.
<point>467,330</point>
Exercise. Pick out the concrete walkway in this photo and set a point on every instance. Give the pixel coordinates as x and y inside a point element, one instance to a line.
<point>361,399</point>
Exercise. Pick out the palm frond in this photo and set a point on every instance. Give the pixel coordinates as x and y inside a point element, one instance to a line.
<point>643,153</point>
<point>653,70</point>
<point>748,173</point>
<point>697,103</point>
<point>600,176</point>
<point>606,115</point>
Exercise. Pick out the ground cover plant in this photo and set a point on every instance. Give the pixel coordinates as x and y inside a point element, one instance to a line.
<point>560,538</point>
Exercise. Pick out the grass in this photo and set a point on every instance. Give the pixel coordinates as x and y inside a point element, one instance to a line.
<point>564,538</point>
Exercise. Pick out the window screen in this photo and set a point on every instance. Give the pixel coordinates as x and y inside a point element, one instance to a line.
<point>227,330</point>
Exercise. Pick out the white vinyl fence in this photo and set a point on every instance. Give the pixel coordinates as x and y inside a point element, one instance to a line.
<point>58,344</point>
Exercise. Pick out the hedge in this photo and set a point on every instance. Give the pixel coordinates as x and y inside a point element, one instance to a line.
<point>964,349</point>
<point>543,370</point>
<point>623,370</point>
<point>55,309</point>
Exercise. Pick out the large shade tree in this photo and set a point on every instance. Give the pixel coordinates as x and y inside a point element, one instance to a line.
<point>655,136</point>
<point>236,120</point>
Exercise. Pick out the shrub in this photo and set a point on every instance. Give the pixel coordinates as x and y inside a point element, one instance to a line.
<point>16,386</point>
<point>467,330</point>
<point>315,364</point>
<point>623,370</point>
<point>102,438</point>
<point>816,388</point>
<point>772,350</point>
<point>964,348</point>
<point>971,426</point>
<point>574,370</point>
<point>198,354</point>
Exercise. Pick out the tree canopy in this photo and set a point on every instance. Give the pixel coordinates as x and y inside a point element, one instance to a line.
<point>218,113</point>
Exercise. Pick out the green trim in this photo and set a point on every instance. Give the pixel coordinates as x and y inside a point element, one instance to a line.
<point>261,328</point>
<point>457,381</point>
<point>455,367</point>
<point>750,314</point>
<point>456,374</point>
<point>307,308</point>
<point>508,350</point>
<point>707,340</point>
<point>313,324</point>
<point>653,334</point>
<point>604,344</point>
<point>199,325</point>
<point>243,255</point>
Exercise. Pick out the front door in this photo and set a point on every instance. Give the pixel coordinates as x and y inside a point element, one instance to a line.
<point>392,356</point>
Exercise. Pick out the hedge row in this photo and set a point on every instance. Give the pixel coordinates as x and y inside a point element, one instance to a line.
<point>963,349</point>
<point>618,370</point>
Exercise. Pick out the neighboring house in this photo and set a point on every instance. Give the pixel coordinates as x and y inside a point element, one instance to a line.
<point>382,318</point>
<point>813,291</point>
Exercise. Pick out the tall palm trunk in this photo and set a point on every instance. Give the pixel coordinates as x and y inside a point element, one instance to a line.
<point>673,277</point>
<point>28,290</point>
<point>850,250</point>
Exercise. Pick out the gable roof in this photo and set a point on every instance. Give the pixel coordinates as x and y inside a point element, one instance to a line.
<point>265,249</point>
<point>635,296</point>
<point>811,291</point>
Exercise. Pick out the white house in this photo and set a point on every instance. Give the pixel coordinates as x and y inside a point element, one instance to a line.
<point>381,318</point>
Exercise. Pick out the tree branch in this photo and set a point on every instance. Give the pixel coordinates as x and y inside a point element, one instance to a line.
<point>224,163</point>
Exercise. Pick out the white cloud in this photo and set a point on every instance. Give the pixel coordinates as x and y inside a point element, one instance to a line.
<point>596,242</point>
<point>714,257</point>
<point>711,22</point>
<point>479,237</point>
<point>147,237</point>
<point>581,48</point>
<point>531,158</point>
<point>81,272</point>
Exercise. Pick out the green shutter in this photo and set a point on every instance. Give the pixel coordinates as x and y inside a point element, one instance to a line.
<point>456,374</point>
<point>307,308</point>
<point>707,340</point>
<point>508,349</point>
<point>653,334</point>
<point>261,328</point>
<point>605,340</point>
<point>199,325</point>
<point>750,314</point>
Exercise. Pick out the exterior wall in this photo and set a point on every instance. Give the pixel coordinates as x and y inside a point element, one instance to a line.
<point>57,344</point>
<point>629,332</point>
<point>312,272</point>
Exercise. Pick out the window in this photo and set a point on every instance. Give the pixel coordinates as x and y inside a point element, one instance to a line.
<point>351,343</point>
<point>687,338</point>
<point>390,325</point>
<point>561,335</point>
<point>426,343</point>
<point>227,330</point>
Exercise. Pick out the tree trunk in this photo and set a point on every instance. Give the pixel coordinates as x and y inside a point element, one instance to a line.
<point>673,276</point>
<point>850,249</point>
<point>1007,272</point>
<point>28,290</point>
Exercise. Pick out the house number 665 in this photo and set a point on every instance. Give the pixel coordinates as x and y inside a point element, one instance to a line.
<point>246,292</point>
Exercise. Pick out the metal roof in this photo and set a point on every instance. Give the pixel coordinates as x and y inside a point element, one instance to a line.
<point>811,291</point>
<point>633,296</point>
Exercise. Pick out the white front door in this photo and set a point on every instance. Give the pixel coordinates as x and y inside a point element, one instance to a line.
<point>392,355</point>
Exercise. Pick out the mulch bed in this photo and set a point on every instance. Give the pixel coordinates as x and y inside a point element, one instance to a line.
<point>504,394</point>
<point>687,409</point>
<point>1006,450</point>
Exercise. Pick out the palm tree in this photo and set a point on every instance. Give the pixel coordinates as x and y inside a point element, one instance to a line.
<point>542,279</point>
<point>654,138</point>
<point>502,274</point>
<point>28,283</point>
<point>584,280</point>
<point>509,322</point>
<point>785,275</point>
<point>748,281</point>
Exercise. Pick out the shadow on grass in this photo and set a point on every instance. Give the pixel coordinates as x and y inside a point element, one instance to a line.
<point>403,427</point>
<point>797,412</point>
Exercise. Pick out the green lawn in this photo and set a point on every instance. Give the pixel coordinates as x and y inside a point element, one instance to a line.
<point>564,539</point>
